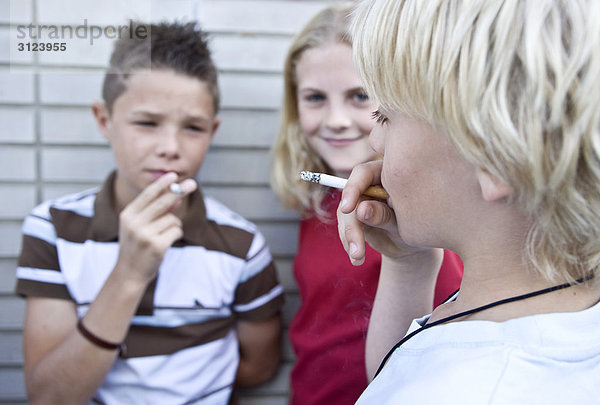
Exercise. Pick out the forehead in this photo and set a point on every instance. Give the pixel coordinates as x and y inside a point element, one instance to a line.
<point>165,91</point>
<point>325,66</point>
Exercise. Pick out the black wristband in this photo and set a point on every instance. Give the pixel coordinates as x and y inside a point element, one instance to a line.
<point>99,342</point>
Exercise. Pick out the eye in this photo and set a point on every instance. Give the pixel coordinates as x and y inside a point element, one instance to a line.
<point>361,97</point>
<point>379,118</point>
<point>314,97</point>
<point>145,123</point>
<point>195,128</point>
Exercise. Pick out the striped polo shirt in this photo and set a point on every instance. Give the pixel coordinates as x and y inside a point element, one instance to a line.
<point>181,346</point>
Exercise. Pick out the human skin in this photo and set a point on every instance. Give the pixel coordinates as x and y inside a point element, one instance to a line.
<point>334,110</point>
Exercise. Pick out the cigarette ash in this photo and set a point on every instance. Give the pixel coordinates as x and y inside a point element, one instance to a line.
<point>310,176</point>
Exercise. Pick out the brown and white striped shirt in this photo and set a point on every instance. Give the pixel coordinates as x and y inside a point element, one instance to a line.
<point>181,346</point>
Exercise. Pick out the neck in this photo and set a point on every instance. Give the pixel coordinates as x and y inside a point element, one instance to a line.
<point>479,289</point>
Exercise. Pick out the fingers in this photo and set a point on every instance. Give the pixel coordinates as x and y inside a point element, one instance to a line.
<point>376,214</point>
<point>148,226</point>
<point>362,177</point>
<point>158,199</point>
<point>350,230</point>
<point>151,192</point>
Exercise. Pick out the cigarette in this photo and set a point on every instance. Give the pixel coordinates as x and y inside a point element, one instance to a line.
<point>338,182</point>
<point>176,188</point>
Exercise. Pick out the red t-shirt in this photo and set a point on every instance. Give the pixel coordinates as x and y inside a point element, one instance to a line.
<point>329,330</point>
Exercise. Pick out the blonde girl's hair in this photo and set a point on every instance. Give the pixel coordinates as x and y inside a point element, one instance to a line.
<point>515,87</point>
<point>291,153</point>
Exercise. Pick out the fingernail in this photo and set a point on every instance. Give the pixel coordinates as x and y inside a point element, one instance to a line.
<point>368,213</point>
<point>353,249</point>
<point>343,204</point>
<point>176,188</point>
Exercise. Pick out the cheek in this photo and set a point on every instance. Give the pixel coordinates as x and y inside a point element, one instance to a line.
<point>309,120</point>
<point>364,120</point>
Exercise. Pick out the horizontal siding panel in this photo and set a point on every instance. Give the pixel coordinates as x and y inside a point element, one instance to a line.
<point>253,203</point>
<point>249,167</point>
<point>52,191</point>
<point>292,303</point>
<point>273,17</point>
<point>16,86</point>
<point>12,384</point>
<point>285,273</point>
<point>113,12</point>
<point>10,238</point>
<point>282,237</point>
<point>88,52</point>
<point>107,12</point>
<point>17,163</point>
<point>12,311</point>
<point>8,268</point>
<point>70,88</point>
<point>15,11</point>
<point>249,52</point>
<point>241,128</point>
<point>288,355</point>
<point>16,200</point>
<point>10,37</point>
<point>253,91</point>
<point>17,125</point>
<point>83,164</point>
<point>11,348</point>
<point>70,125</point>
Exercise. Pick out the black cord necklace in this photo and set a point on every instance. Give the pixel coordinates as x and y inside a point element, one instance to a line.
<point>478,309</point>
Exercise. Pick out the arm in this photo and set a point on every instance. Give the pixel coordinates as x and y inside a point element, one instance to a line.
<point>404,292</point>
<point>61,366</point>
<point>260,350</point>
<point>404,269</point>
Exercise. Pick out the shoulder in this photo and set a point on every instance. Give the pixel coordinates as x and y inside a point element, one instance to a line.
<point>81,203</point>
<point>243,236</point>
<point>44,215</point>
<point>219,213</point>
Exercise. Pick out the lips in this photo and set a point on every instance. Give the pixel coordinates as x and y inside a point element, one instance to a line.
<point>156,173</point>
<point>341,142</point>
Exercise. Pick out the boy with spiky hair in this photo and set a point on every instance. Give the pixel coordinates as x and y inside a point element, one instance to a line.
<point>144,290</point>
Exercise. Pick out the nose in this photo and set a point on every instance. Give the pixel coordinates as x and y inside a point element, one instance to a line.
<point>167,145</point>
<point>338,118</point>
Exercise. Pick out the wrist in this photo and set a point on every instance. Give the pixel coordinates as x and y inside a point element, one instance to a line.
<point>98,341</point>
<point>130,278</point>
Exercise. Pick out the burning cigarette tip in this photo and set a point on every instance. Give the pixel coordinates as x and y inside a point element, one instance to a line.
<point>310,176</point>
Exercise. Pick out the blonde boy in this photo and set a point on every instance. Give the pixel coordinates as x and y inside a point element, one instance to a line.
<point>489,128</point>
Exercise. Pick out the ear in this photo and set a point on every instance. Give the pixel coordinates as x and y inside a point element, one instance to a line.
<point>102,116</point>
<point>216,124</point>
<point>492,189</point>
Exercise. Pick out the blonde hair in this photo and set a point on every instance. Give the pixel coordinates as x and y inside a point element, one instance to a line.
<point>515,86</point>
<point>291,153</point>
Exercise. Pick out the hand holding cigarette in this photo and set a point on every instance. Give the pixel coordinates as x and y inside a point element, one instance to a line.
<point>338,182</point>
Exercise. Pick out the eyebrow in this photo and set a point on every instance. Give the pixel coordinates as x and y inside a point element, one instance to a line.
<point>352,90</point>
<point>157,116</point>
<point>356,89</point>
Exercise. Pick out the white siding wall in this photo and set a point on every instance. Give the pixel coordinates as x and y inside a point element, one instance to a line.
<point>49,145</point>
